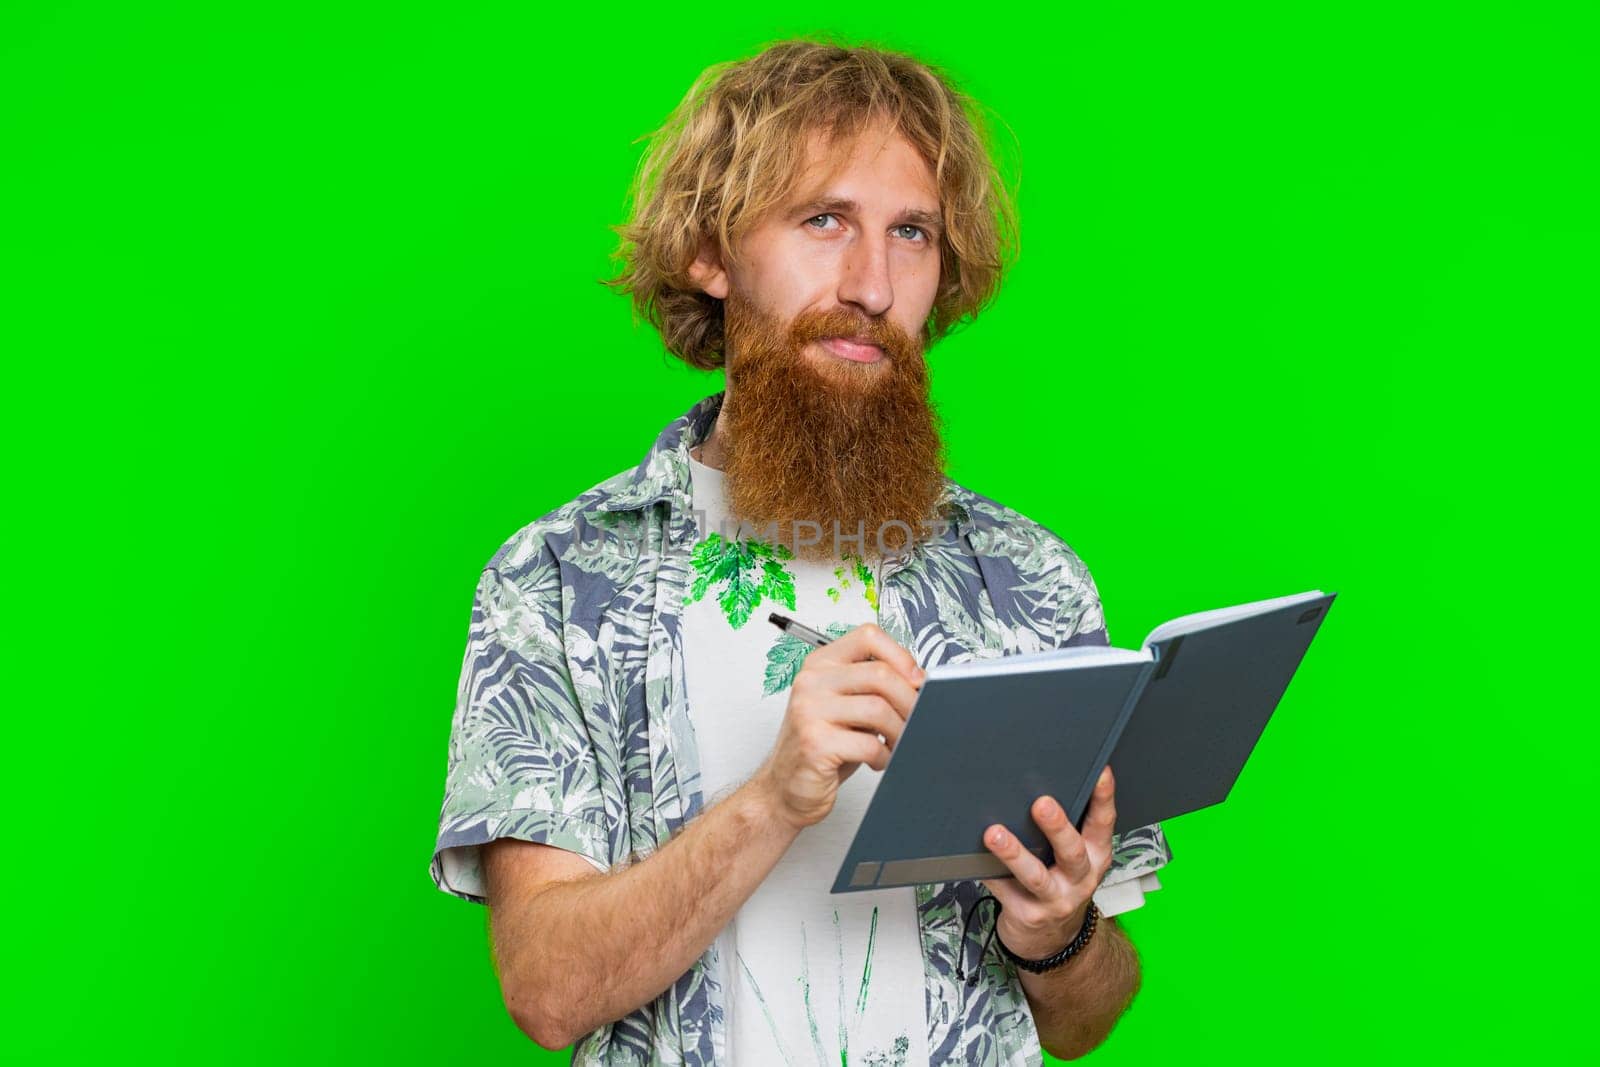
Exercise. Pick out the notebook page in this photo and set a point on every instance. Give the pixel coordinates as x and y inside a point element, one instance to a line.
<point>1200,620</point>
<point>1054,659</point>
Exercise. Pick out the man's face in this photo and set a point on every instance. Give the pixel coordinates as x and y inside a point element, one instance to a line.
<point>860,244</point>
<point>827,418</point>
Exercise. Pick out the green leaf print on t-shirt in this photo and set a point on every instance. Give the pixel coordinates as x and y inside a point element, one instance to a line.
<point>854,567</point>
<point>895,1056</point>
<point>786,655</point>
<point>747,570</point>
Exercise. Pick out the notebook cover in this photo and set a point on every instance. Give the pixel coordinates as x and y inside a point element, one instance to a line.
<point>1178,730</point>
<point>977,751</point>
<point>1204,708</point>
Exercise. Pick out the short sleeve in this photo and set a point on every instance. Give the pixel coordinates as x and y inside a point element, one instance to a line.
<point>1079,618</point>
<point>520,760</point>
<point>1136,851</point>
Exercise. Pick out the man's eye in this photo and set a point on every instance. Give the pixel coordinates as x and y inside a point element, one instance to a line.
<point>917,233</point>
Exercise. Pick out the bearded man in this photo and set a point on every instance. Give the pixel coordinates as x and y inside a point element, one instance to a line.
<point>650,787</point>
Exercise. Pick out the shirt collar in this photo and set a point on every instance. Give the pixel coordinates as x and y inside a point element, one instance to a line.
<point>663,474</point>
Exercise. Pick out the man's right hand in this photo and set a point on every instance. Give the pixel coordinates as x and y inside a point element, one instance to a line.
<point>845,694</point>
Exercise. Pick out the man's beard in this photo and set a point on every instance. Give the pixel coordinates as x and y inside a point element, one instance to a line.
<point>816,439</point>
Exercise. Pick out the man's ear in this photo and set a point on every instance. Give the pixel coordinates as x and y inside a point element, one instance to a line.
<point>707,270</point>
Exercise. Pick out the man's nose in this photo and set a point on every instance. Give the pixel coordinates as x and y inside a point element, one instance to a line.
<point>864,279</point>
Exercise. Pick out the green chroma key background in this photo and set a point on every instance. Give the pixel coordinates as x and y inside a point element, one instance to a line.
<point>301,322</point>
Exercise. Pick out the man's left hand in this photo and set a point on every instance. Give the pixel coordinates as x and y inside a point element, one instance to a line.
<point>1043,908</point>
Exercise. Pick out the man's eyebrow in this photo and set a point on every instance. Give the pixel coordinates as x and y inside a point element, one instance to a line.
<point>927,219</point>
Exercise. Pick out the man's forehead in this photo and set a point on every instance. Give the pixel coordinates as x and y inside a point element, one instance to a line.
<point>821,181</point>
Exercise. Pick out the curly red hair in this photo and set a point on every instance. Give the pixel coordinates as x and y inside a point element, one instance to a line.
<point>733,149</point>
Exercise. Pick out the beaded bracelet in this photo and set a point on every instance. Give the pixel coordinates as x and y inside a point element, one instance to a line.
<point>1073,947</point>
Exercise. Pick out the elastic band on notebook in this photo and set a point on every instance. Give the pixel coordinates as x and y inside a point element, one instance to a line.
<point>961,949</point>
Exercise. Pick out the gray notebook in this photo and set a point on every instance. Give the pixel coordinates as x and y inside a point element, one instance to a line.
<point>1176,720</point>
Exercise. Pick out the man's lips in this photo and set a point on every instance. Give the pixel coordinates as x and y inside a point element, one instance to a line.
<point>852,350</point>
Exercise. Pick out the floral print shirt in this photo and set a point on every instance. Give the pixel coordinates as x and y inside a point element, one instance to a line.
<point>571,726</point>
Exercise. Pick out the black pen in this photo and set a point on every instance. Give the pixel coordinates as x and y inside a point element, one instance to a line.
<point>803,632</point>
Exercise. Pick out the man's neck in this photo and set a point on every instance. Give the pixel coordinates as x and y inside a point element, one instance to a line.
<point>711,451</point>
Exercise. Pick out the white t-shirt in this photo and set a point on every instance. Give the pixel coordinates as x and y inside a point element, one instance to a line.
<point>808,976</point>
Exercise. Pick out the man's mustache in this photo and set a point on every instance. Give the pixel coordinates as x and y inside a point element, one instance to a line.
<point>895,342</point>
